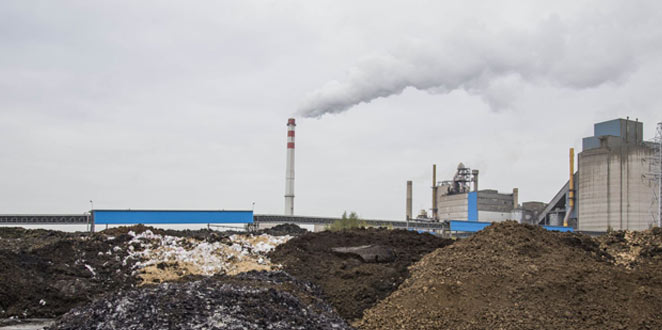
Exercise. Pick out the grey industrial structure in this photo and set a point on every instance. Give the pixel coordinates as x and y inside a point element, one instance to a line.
<point>617,181</point>
<point>460,199</point>
<point>617,186</point>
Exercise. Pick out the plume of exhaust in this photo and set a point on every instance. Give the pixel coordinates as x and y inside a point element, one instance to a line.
<point>486,64</point>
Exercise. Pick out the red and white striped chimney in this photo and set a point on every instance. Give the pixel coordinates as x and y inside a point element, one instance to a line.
<point>289,172</point>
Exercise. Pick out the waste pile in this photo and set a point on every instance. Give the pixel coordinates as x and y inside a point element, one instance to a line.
<point>45,273</point>
<point>355,268</point>
<point>512,276</point>
<point>167,258</point>
<point>255,300</point>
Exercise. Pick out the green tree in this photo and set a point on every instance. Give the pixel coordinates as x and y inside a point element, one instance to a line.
<point>347,222</point>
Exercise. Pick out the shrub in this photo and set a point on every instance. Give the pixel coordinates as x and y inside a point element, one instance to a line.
<point>347,222</point>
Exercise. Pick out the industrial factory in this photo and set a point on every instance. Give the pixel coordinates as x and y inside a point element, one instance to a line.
<point>460,199</point>
<point>617,186</point>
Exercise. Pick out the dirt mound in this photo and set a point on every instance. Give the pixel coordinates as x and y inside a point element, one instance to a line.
<point>17,239</point>
<point>350,284</point>
<point>283,229</point>
<point>633,248</point>
<point>207,235</point>
<point>257,300</point>
<point>512,276</point>
<point>45,273</point>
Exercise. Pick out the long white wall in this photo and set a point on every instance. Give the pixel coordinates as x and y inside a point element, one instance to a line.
<point>487,216</point>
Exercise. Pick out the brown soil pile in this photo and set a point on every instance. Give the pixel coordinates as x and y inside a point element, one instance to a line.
<point>512,276</point>
<point>350,283</point>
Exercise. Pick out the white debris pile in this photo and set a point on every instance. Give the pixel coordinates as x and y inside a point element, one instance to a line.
<point>261,244</point>
<point>165,258</point>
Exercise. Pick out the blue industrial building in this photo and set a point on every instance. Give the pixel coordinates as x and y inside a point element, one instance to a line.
<point>132,217</point>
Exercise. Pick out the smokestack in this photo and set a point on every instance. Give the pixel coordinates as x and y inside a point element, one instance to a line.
<point>515,198</point>
<point>475,177</point>
<point>289,171</point>
<point>435,216</point>
<point>571,185</point>
<point>409,200</point>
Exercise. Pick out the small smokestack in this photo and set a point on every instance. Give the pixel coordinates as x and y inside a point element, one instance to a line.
<point>435,215</point>
<point>475,177</point>
<point>289,171</point>
<point>515,198</point>
<point>409,200</point>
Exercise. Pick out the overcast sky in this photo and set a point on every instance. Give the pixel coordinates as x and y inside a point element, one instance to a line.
<point>184,104</point>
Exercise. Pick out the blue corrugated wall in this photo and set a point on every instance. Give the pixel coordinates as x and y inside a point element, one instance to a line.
<point>472,199</point>
<point>474,226</point>
<point>128,217</point>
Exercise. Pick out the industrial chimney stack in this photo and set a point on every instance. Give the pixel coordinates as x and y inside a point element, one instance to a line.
<point>474,173</point>
<point>435,215</point>
<point>409,201</point>
<point>289,172</point>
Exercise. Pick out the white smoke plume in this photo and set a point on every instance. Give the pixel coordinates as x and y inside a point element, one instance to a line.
<point>488,64</point>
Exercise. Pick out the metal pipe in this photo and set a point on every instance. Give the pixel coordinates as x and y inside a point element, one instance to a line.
<point>289,171</point>
<point>571,188</point>
<point>475,178</point>
<point>409,200</point>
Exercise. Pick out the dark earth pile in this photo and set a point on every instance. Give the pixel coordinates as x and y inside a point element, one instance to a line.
<point>45,273</point>
<point>255,300</point>
<point>283,229</point>
<point>207,234</point>
<point>350,283</point>
<point>512,276</point>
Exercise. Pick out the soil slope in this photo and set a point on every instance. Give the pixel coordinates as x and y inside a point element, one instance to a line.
<point>512,276</point>
<point>350,283</point>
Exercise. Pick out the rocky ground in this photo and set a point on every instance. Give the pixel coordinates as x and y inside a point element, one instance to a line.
<point>351,283</point>
<point>512,276</point>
